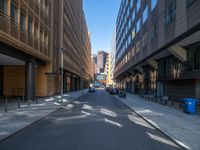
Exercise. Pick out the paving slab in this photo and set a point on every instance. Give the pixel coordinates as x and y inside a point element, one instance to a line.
<point>16,119</point>
<point>182,128</point>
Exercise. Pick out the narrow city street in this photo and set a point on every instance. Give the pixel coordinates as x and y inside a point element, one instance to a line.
<point>96,121</point>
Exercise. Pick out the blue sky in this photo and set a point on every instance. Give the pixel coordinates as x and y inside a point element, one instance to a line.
<point>101,17</point>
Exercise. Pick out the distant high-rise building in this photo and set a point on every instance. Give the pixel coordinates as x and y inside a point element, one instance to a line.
<point>101,61</point>
<point>94,65</point>
<point>112,57</point>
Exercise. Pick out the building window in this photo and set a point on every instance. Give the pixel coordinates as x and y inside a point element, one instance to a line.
<point>133,33</point>
<point>193,58</point>
<point>22,20</point>
<point>131,3</point>
<point>189,3</point>
<point>13,11</point>
<point>2,6</point>
<point>29,25</point>
<point>133,15</point>
<point>138,25</point>
<point>129,39</point>
<point>154,30</point>
<point>145,15</point>
<point>153,4</point>
<point>137,46</point>
<point>133,51</point>
<point>144,39</point>
<point>170,13</point>
<point>129,24</point>
<point>138,5</point>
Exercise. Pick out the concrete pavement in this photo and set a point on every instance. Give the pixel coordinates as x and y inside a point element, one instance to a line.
<point>17,119</point>
<point>97,121</point>
<point>181,127</point>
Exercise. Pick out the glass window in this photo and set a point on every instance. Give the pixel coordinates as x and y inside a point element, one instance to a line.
<point>13,11</point>
<point>131,3</point>
<point>138,25</point>
<point>133,51</point>
<point>133,33</point>
<point>2,6</point>
<point>22,20</point>
<point>189,3</point>
<point>133,15</point>
<point>138,46</point>
<point>154,30</point>
<point>145,14</point>
<point>170,13</point>
<point>129,24</point>
<point>29,25</point>
<point>153,4</point>
<point>129,40</point>
<point>138,5</point>
<point>144,39</point>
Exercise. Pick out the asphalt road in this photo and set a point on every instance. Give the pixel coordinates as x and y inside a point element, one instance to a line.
<point>96,121</point>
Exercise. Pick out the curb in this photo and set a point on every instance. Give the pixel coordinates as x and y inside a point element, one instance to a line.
<point>160,130</point>
<point>38,120</point>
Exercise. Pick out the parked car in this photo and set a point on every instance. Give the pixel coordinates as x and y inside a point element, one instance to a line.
<point>91,89</point>
<point>108,89</point>
<point>114,91</point>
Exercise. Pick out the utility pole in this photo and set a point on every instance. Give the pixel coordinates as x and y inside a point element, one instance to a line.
<point>62,73</point>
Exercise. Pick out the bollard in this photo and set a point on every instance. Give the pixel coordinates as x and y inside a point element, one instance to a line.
<point>6,104</point>
<point>29,102</point>
<point>36,101</point>
<point>18,103</point>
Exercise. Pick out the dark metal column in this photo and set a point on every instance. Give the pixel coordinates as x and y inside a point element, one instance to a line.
<point>30,81</point>
<point>65,83</point>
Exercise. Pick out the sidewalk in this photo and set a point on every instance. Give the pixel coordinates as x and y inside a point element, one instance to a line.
<point>182,128</point>
<point>17,119</point>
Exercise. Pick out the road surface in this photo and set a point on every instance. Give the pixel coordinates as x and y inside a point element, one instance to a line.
<point>96,121</point>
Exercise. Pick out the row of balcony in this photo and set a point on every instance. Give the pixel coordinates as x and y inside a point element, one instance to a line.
<point>12,28</point>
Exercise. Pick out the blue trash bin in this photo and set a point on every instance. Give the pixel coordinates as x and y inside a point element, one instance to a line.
<point>189,105</point>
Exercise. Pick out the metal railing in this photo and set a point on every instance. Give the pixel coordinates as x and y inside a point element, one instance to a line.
<point>11,27</point>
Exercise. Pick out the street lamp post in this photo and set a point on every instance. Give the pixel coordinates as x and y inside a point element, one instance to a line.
<point>82,79</point>
<point>62,73</point>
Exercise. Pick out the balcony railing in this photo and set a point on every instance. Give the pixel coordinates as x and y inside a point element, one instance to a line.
<point>23,35</point>
<point>36,40</point>
<point>12,28</point>
<point>4,22</point>
<point>37,8</point>
<point>31,4</point>
<point>30,39</point>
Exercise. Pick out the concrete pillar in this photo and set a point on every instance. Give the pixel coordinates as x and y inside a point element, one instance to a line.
<point>77,83</point>
<point>30,81</point>
<point>160,88</point>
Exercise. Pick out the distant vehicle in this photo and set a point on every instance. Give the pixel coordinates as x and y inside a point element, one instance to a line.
<point>91,89</point>
<point>108,89</point>
<point>114,91</point>
<point>102,87</point>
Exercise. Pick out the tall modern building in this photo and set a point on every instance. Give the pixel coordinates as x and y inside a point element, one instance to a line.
<point>158,47</point>
<point>101,61</point>
<point>94,65</point>
<point>112,57</point>
<point>31,34</point>
<point>75,39</point>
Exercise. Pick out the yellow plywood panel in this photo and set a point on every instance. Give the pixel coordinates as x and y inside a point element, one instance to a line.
<point>14,80</point>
